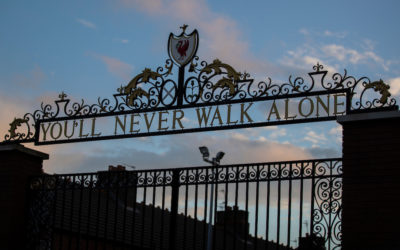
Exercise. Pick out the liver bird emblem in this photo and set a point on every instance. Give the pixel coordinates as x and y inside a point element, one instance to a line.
<point>182,46</point>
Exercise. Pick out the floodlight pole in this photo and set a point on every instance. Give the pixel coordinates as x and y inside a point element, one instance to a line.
<point>209,234</point>
<point>215,162</point>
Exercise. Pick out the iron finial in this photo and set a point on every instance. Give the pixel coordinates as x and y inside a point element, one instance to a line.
<point>318,67</point>
<point>121,89</point>
<point>183,27</point>
<point>62,96</point>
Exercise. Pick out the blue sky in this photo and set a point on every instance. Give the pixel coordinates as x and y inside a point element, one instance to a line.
<point>89,48</point>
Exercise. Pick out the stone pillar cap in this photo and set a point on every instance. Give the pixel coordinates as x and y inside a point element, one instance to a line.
<point>368,116</point>
<point>23,149</point>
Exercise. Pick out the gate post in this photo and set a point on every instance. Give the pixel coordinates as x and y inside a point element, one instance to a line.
<point>371,180</point>
<point>17,164</point>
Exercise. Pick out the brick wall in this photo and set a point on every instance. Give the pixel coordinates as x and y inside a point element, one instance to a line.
<point>371,181</point>
<point>17,163</point>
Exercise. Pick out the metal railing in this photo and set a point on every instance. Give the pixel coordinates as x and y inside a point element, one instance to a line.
<point>276,205</point>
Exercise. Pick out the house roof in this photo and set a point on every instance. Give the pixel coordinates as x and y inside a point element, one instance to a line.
<point>101,214</point>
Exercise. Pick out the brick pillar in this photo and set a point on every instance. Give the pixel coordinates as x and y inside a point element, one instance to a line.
<point>371,180</point>
<point>17,164</point>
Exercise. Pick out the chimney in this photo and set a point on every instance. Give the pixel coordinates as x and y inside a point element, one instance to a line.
<point>116,168</point>
<point>234,221</point>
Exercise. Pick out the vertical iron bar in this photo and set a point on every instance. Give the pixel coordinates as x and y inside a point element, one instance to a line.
<point>174,209</point>
<point>290,204</point>
<point>247,206</point>
<point>205,211</point>
<point>186,208</point>
<point>301,200</point>
<point>107,186</point>
<point>226,204</point>
<point>278,227</point>
<point>71,212</point>
<point>42,194</point>
<point>180,92</point>
<point>209,229</point>
<point>88,215</point>
<point>256,216</point>
<point>54,212</point>
<point>134,206</point>
<point>236,208</point>
<point>312,198</point>
<point>268,203</point>
<point>152,210</point>
<point>143,205</point>
<point>214,231</point>
<point>125,193</point>
<point>162,210</point>
<point>329,224</point>
<point>80,212</point>
<point>115,189</point>
<point>99,191</point>
<point>196,190</point>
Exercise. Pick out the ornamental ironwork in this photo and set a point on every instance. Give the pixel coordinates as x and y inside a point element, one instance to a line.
<point>199,85</point>
<point>283,201</point>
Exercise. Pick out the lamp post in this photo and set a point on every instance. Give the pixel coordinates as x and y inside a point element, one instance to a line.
<point>215,162</point>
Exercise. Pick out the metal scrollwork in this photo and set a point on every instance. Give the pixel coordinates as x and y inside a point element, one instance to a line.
<point>53,194</point>
<point>328,196</point>
<point>214,83</point>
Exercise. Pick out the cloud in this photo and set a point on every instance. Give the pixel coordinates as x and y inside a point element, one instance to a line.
<point>31,79</point>
<point>121,40</point>
<point>304,31</point>
<point>221,36</point>
<point>314,138</point>
<point>332,56</point>
<point>151,6</point>
<point>337,133</point>
<point>116,67</point>
<point>320,47</point>
<point>343,54</point>
<point>86,23</point>
<point>278,133</point>
<point>319,152</point>
<point>336,130</point>
<point>339,35</point>
<point>394,85</point>
<point>304,58</point>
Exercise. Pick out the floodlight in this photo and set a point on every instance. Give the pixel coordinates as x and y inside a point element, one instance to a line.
<point>219,156</point>
<point>215,163</point>
<point>204,151</point>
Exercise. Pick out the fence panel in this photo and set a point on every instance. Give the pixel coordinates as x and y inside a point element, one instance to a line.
<point>276,205</point>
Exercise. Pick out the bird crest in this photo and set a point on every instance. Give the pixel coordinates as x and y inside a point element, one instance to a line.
<point>183,48</point>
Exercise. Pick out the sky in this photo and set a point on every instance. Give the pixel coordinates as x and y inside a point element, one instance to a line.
<point>90,48</point>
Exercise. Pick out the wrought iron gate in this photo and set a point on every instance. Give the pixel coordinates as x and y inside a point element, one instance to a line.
<point>276,205</point>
